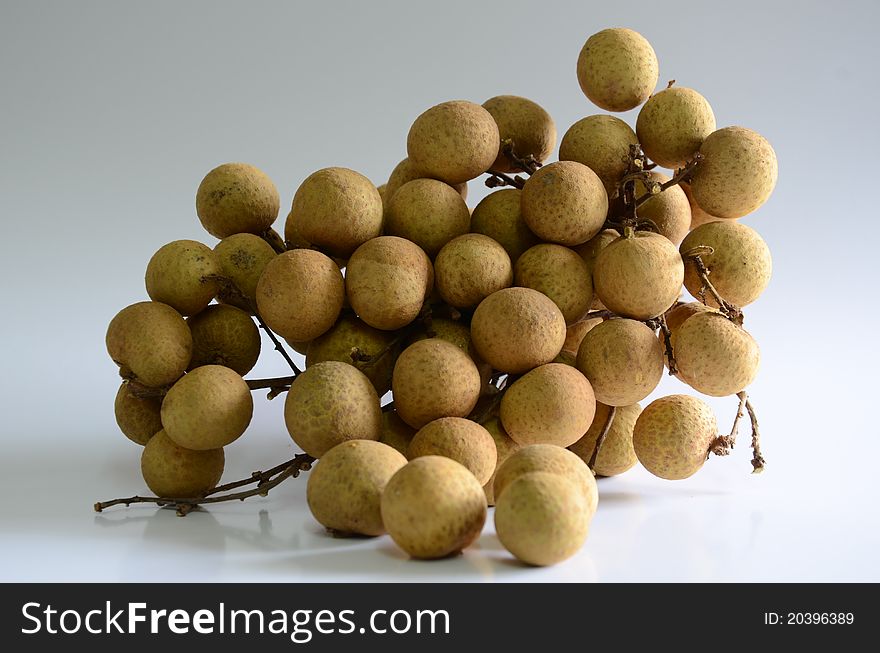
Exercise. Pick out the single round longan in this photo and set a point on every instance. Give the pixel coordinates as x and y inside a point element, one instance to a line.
<point>505,446</point>
<point>673,434</point>
<point>345,487</point>
<point>183,275</point>
<point>617,69</point>
<point>616,455</point>
<point>224,335</point>
<point>499,216</point>
<point>428,212</point>
<point>433,507</point>
<point>525,125</point>
<point>459,334</point>
<point>601,143</point>
<point>138,417</point>
<point>559,273</point>
<point>236,198</point>
<point>461,439</point>
<point>469,268</point>
<point>673,124</point>
<point>176,472</point>
<point>242,257</point>
<point>453,141</point>
<point>405,172</point>
<point>669,210</point>
<point>676,315</point>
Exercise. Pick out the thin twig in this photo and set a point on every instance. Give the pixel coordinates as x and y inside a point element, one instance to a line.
<point>758,462</point>
<point>278,346</point>
<point>730,311</point>
<point>498,179</point>
<point>612,410</point>
<point>667,342</point>
<point>682,174</point>
<point>723,444</point>
<point>528,165</point>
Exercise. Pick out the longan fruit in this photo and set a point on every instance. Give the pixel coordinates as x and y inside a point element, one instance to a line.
<point>623,361</point>
<point>176,472</point>
<point>208,408</point>
<point>517,329</point>
<point>639,275</point>
<point>337,210</point>
<point>542,519</point>
<point>236,198</point>
<point>525,125</point>
<point>499,216</point>
<point>739,267</point>
<point>589,251</point>
<point>560,274</point>
<point>673,125</point>
<point>462,440</point>
<point>737,174</point>
<point>669,210</point>
<point>505,446</point>
<point>617,69</point>
<point>406,171</point>
<point>715,356</point>
<point>395,432</point>
<point>224,335</point>
<point>469,268</point>
<point>300,294</point>
<point>345,487</point>
<point>574,335</point>
<point>459,334</point>
<point>330,403</point>
<point>453,141</point>
<point>387,281</point>
<point>293,237</point>
<point>601,143</point>
<point>698,215</point>
<point>616,455</point>
<point>676,315</point>
<point>151,343</point>
<point>673,434</point>
<point>564,202</point>
<point>433,378</point>
<point>180,274</point>
<point>138,417</point>
<point>428,212</point>
<point>242,258</point>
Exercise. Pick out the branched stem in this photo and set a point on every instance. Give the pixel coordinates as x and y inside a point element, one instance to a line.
<point>612,410</point>
<point>659,322</point>
<point>528,165</point>
<point>498,179</point>
<point>278,346</point>
<point>723,444</point>
<point>682,174</point>
<point>758,462</point>
<point>730,311</point>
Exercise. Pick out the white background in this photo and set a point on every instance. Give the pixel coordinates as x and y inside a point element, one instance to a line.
<point>111,114</point>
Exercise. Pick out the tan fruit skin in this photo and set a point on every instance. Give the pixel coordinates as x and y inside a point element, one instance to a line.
<point>175,472</point>
<point>617,69</point>
<point>574,335</point>
<point>429,213</point>
<point>601,143</point>
<point>673,124</point>
<point>208,408</point>
<point>673,434</point>
<point>395,432</point>
<point>499,216</point>
<point>526,124</point>
<point>559,273</point>
<point>432,379</point>
<point>517,329</point>
<point>387,281</point>
<point>406,171</point>
<point>740,267</point>
<point>243,257</point>
<point>224,335</point>
<point>623,361</point>
<point>714,356</point>
<point>300,294</point>
<point>433,507</point>
<point>589,251</point>
<point>330,403</point>
<point>138,418</point>
<point>669,210</point>
<point>505,446</point>
<point>460,439</point>
<point>616,454</point>
<point>676,316</point>
<point>151,342</point>
<point>638,277</point>
<point>459,334</point>
<point>178,275</point>
<point>737,174</point>
<point>454,141</point>
<point>565,203</point>
<point>542,519</point>
<point>236,198</point>
<point>345,487</point>
<point>469,268</point>
<point>698,215</point>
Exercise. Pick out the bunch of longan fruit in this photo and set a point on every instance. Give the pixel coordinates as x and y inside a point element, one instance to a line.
<point>516,339</point>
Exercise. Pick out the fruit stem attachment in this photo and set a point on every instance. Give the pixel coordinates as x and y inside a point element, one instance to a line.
<point>723,444</point>
<point>275,240</point>
<point>730,311</point>
<point>497,179</point>
<point>682,174</point>
<point>528,165</point>
<point>659,322</point>
<point>612,411</point>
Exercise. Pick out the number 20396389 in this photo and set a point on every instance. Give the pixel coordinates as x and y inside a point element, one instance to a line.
<point>809,618</point>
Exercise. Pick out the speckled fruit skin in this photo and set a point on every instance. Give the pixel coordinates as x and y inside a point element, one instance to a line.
<point>669,210</point>
<point>499,216</point>
<point>350,332</point>
<point>242,258</point>
<point>395,432</point>
<point>505,446</point>
<point>739,268</point>
<point>387,281</point>
<point>676,316</point>
<point>175,472</point>
<point>714,356</point>
<point>737,174</point>
<point>461,439</point>
<point>617,69</point>
<point>428,212</point>
<point>459,334</point>
<point>574,335</point>
<point>622,359</point>
<point>601,143</point>
<point>673,124</point>
<point>224,335</point>
<point>616,454</point>
<point>589,251</point>
<point>469,268</point>
<point>337,210</point>
<point>564,202</point>
<point>432,379</point>
<point>207,409</point>
<point>638,276</point>
<point>300,294</point>
<point>406,171</point>
<point>345,487</point>
<point>673,434</point>
<point>517,329</point>
<point>236,198</point>
<point>433,507</point>
<point>698,215</point>
<point>542,519</point>
<point>552,404</point>
<point>178,275</point>
<point>151,342</point>
<point>559,273</point>
<point>525,124</point>
<point>138,418</point>
<point>552,459</point>
<point>453,141</point>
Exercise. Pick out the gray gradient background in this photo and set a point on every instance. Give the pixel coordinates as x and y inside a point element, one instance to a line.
<point>112,112</point>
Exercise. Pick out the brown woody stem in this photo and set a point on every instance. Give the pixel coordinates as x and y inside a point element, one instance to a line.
<point>682,174</point>
<point>758,462</point>
<point>612,410</point>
